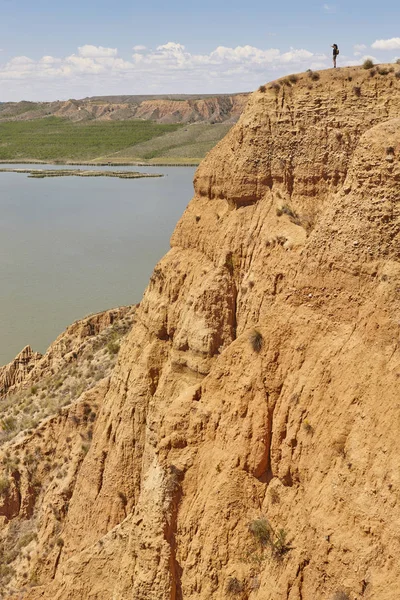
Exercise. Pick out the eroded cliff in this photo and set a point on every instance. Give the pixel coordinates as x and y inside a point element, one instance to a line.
<point>246,444</point>
<point>162,109</point>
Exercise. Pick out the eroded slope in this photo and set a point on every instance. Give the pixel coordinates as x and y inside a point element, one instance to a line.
<point>246,444</point>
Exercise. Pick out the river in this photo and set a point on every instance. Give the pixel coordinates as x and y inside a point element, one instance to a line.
<point>70,246</point>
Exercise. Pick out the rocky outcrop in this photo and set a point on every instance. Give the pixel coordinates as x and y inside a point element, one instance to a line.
<point>247,441</point>
<point>18,369</point>
<point>30,367</point>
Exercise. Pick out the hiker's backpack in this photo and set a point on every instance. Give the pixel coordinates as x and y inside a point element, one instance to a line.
<point>337,51</point>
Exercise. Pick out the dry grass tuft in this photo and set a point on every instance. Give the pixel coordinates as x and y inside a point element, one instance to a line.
<point>256,340</point>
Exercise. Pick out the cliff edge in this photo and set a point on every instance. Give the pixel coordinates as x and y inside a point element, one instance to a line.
<point>246,442</point>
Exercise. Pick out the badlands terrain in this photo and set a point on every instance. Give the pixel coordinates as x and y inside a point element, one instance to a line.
<point>236,434</point>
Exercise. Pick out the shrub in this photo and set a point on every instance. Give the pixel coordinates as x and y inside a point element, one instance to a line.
<point>261,530</point>
<point>33,390</point>
<point>383,71</point>
<point>256,340</point>
<point>372,73</point>
<point>280,545</point>
<point>314,76</point>
<point>60,542</point>
<point>234,586</point>
<point>397,74</point>
<point>307,426</point>
<point>123,498</point>
<point>368,64</point>
<point>113,347</point>
<point>357,90</point>
<point>293,78</point>
<point>262,88</point>
<point>4,485</point>
<point>398,61</point>
<point>340,595</point>
<point>275,86</point>
<point>287,210</point>
<point>273,494</point>
<point>9,424</point>
<point>266,536</point>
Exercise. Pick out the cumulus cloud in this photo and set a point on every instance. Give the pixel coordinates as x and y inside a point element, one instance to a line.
<point>175,57</point>
<point>391,44</point>
<point>139,48</point>
<point>89,51</point>
<point>358,48</point>
<point>169,68</point>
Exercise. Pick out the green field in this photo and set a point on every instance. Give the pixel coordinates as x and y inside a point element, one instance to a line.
<point>55,139</point>
<point>188,144</point>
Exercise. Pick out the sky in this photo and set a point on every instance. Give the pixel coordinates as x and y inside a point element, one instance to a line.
<point>59,50</point>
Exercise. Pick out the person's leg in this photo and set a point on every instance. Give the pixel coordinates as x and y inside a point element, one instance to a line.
<point>334,62</point>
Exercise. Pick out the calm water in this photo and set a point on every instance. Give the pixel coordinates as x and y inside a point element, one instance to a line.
<point>71,246</point>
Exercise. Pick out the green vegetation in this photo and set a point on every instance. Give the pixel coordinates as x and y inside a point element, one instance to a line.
<point>266,537</point>
<point>57,139</point>
<point>42,173</point>
<point>187,145</point>
<point>118,142</point>
<point>261,530</point>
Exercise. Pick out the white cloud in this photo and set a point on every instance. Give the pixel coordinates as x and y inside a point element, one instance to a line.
<point>89,51</point>
<point>139,48</point>
<point>170,68</point>
<point>329,8</point>
<point>358,48</point>
<point>391,44</point>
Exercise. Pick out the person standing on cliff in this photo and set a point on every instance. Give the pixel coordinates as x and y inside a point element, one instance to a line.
<point>335,54</point>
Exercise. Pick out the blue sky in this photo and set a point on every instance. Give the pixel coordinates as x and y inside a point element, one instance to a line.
<point>57,50</point>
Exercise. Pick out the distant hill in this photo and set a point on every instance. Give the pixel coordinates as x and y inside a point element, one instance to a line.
<point>190,108</point>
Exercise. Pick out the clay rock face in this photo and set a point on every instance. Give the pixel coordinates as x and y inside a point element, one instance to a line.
<point>247,443</point>
<point>214,110</point>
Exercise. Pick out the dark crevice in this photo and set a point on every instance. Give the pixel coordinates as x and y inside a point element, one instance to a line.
<point>174,495</point>
<point>101,474</point>
<point>300,572</point>
<point>56,563</point>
